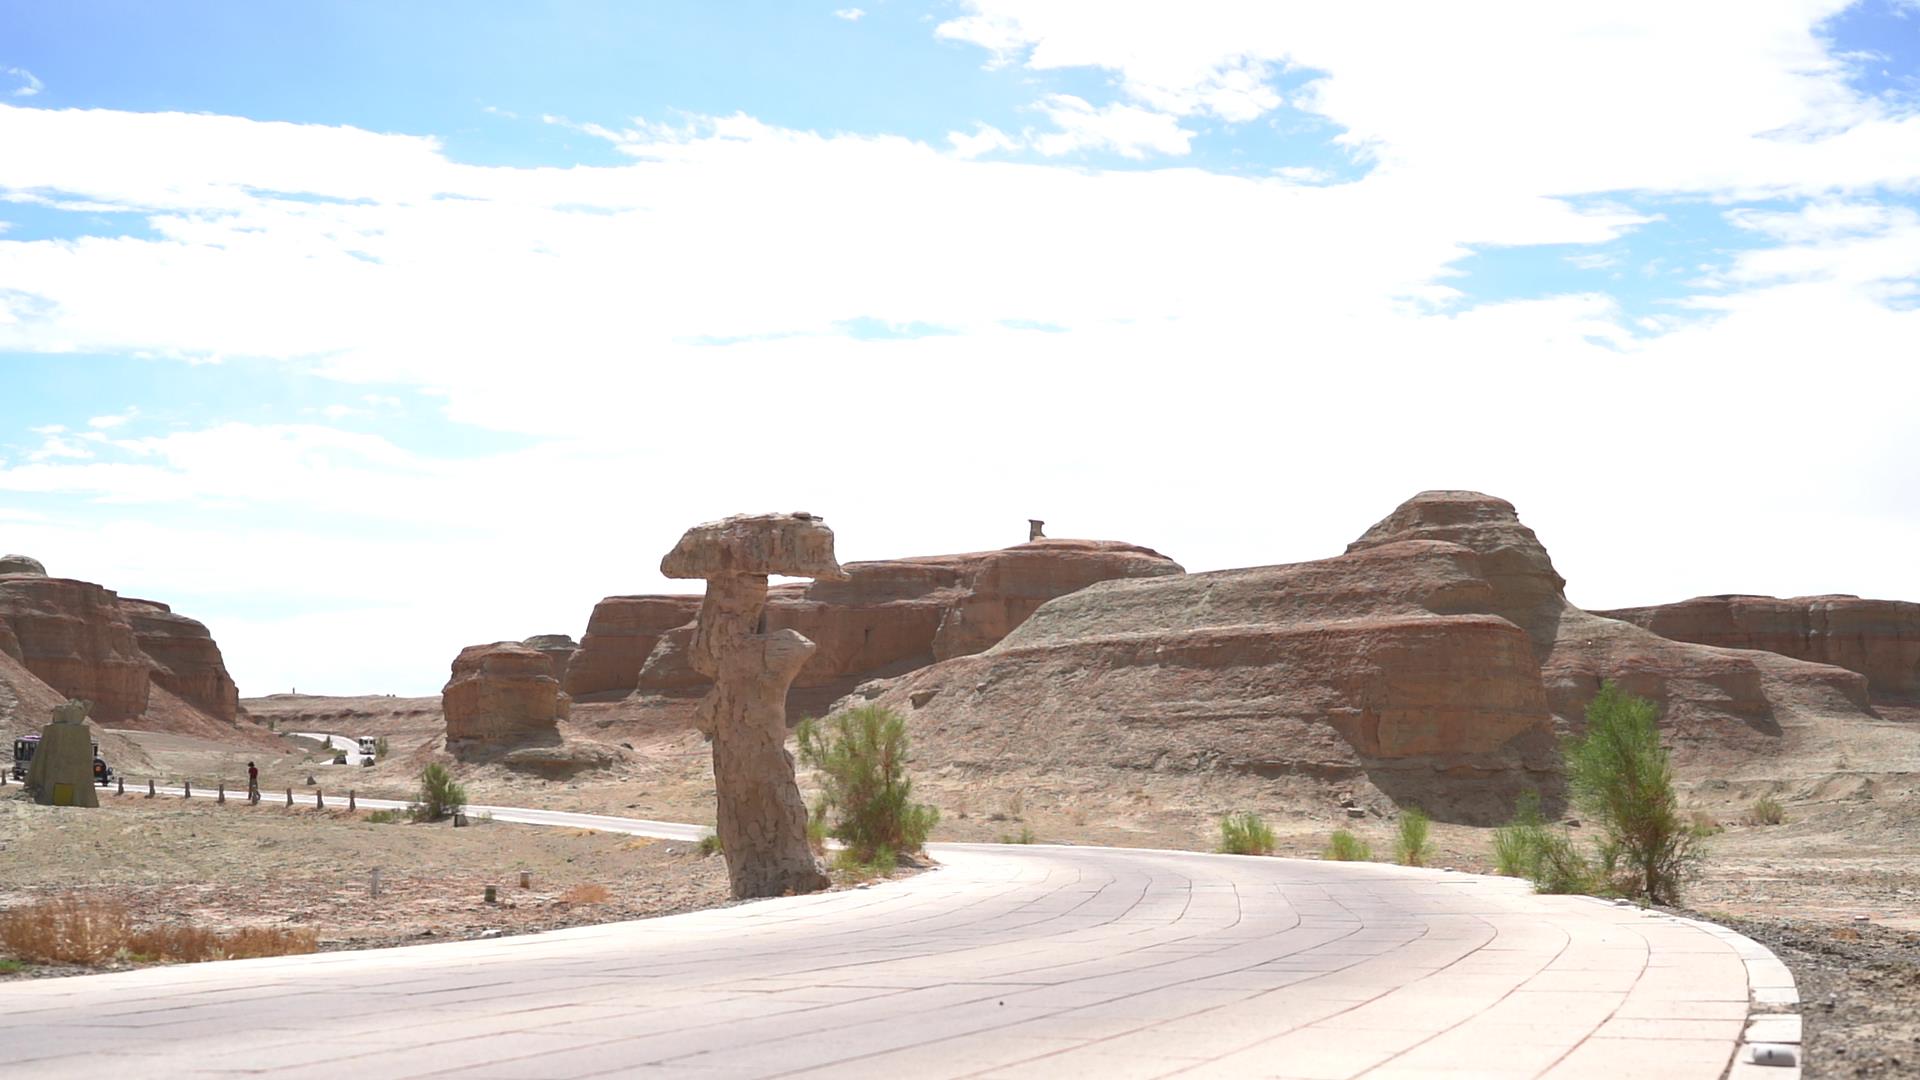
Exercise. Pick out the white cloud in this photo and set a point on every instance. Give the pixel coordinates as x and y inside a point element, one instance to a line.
<point>1127,130</point>
<point>984,139</point>
<point>113,420</point>
<point>30,84</point>
<point>1211,334</point>
<point>851,14</point>
<point>1523,95</point>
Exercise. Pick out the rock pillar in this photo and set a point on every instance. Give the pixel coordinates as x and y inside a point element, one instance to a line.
<point>762,819</point>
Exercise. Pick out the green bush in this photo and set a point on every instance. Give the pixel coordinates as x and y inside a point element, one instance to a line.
<point>1346,847</point>
<point>1024,836</point>
<point>710,845</point>
<point>1525,847</point>
<point>1559,868</point>
<point>1767,811</point>
<point>440,795</point>
<point>861,756</point>
<point>388,817</point>
<point>380,748</point>
<point>1410,847</point>
<point>1620,777</point>
<point>1245,834</point>
<point>1517,844</point>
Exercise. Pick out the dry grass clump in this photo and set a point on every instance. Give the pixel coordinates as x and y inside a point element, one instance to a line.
<point>70,929</point>
<point>1245,833</point>
<point>79,929</point>
<point>586,894</point>
<point>1767,811</point>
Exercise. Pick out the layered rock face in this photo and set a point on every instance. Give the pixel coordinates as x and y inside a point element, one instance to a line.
<point>1440,647</point>
<point>186,661</point>
<point>1880,639</point>
<point>1386,662</point>
<point>1723,702</point>
<point>885,618</point>
<point>502,695</point>
<point>621,633</point>
<point>75,637</point>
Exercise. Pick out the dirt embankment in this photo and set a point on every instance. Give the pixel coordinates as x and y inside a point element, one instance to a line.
<point>230,866</point>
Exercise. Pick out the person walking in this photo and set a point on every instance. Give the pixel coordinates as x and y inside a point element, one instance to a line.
<point>253,783</point>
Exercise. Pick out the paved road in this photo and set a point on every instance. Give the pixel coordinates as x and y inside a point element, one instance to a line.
<point>1006,961</point>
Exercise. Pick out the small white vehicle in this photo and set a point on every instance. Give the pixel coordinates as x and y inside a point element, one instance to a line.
<point>369,749</point>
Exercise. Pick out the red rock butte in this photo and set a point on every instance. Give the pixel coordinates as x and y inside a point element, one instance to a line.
<point>883,619</point>
<point>141,664</point>
<point>1436,660</point>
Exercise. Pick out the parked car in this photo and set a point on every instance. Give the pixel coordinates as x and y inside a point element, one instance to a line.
<point>23,750</point>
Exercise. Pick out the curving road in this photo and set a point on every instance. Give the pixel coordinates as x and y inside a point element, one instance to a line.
<point>1006,961</point>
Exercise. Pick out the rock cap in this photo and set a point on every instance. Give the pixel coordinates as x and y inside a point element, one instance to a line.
<point>22,564</point>
<point>791,545</point>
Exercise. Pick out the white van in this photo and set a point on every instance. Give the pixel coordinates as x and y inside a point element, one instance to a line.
<point>369,749</point>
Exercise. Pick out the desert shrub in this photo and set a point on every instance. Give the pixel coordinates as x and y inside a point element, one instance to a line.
<point>1024,836</point>
<point>388,817</point>
<point>1517,844</point>
<point>1343,846</point>
<point>1767,811</point>
<point>710,845</point>
<point>817,829</point>
<point>380,748</point>
<point>861,756</point>
<point>75,929</point>
<point>1245,834</point>
<point>68,929</point>
<point>440,796</point>
<point>1704,824</point>
<point>1558,867</point>
<point>883,862</point>
<point>10,966</point>
<point>1410,847</point>
<point>586,894</point>
<point>1620,776</point>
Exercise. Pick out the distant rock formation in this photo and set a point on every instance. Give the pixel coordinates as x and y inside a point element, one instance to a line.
<point>1721,699</point>
<point>559,650</point>
<point>502,695</point>
<point>886,617</point>
<point>186,661</point>
<point>1877,638</point>
<point>75,637</point>
<point>1436,659</point>
<point>620,635</point>
<point>138,662</point>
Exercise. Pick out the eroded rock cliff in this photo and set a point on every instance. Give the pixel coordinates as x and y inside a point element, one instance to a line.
<point>1880,639</point>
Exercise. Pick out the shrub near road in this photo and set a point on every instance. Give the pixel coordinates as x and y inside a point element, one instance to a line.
<point>861,756</point>
<point>1619,775</point>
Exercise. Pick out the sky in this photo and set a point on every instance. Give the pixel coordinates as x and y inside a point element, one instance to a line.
<point>366,331</point>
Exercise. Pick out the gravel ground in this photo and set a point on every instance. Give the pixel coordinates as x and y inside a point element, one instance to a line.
<point>1859,992</point>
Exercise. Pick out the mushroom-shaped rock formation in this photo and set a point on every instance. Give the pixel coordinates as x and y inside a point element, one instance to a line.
<point>762,820</point>
<point>21,564</point>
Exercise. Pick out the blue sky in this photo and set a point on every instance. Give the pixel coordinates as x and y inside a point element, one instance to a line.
<point>444,317</point>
